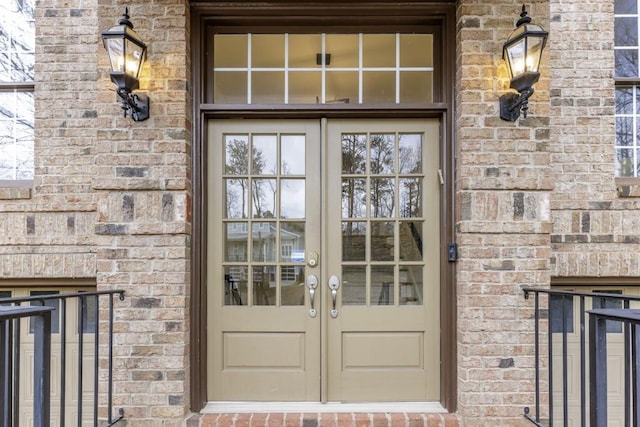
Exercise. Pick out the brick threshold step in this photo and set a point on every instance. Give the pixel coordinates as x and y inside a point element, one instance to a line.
<point>324,419</point>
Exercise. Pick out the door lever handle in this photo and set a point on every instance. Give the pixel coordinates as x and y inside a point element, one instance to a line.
<point>334,285</point>
<point>312,284</point>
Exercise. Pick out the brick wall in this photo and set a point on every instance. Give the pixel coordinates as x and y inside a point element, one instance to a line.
<point>503,219</point>
<point>111,197</point>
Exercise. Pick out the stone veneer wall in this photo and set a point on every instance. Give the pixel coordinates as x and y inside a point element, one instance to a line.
<point>596,226</point>
<point>503,220</point>
<point>111,197</point>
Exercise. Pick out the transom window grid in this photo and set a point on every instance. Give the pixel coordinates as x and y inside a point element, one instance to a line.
<point>289,69</point>
<point>265,193</point>
<point>627,76</point>
<point>17,52</point>
<point>382,219</point>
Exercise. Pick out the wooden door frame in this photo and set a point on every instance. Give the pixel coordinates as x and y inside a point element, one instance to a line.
<point>277,15</point>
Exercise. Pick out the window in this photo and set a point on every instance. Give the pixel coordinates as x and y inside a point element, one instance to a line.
<point>17,51</point>
<point>323,68</point>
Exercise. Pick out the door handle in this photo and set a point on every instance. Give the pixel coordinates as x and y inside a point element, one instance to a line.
<point>312,284</point>
<point>334,285</point>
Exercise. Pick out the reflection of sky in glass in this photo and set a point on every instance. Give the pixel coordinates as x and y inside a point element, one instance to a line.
<point>265,154</point>
<point>410,155</point>
<point>292,153</point>
<point>292,198</point>
<point>16,135</point>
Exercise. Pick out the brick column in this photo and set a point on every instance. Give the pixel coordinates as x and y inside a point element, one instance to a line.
<point>143,182</point>
<point>503,225</point>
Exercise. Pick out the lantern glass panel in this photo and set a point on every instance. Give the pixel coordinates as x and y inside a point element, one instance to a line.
<point>534,52</point>
<point>516,58</point>
<point>115,47</point>
<point>133,58</point>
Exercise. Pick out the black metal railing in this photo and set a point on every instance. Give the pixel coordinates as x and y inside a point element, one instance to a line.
<point>76,344</point>
<point>561,350</point>
<point>598,319</point>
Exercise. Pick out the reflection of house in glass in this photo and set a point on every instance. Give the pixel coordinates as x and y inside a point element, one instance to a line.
<point>274,247</point>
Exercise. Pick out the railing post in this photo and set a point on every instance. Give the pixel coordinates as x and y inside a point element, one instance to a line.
<point>5,378</point>
<point>635,368</point>
<point>42,369</point>
<point>598,371</point>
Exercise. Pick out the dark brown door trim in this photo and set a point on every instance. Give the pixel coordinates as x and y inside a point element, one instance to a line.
<point>330,16</point>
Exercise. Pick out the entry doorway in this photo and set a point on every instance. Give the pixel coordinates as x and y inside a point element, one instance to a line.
<point>323,260</point>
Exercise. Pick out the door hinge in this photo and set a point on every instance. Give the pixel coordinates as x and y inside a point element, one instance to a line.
<point>452,252</point>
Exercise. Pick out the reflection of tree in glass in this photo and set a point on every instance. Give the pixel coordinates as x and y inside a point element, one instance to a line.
<point>624,132</point>
<point>237,164</point>
<point>409,162</point>
<point>354,158</point>
<point>626,62</point>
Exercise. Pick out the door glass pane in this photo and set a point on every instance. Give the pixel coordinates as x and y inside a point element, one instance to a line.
<point>235,285</point>
<point>236,154</point>
<point>382,241</point>
<point>265,155</point>
<point>292,285</point>
<point>381,172</point>
<point>263,198</point>
<point>354,287</point>
<point>382,154</point>
<point>236,246</point>
<point>411,240</point>
<point>382,197</point>
<point>263,241</point>
<point>382,285</point>
<point>292,198</point>
<point>410,153</point>
<point>354,153</point>
<point>354,198</point>
<point>264,253</point>
<point>411,285</point>
<point>354,239</point>
<point>237,193</point>
<point>292,236</point>
<point>410,197</point>
<point>264,285</point>
<point>292,155</point>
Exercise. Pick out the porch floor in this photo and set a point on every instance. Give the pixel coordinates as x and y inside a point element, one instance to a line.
<point>387,419</point>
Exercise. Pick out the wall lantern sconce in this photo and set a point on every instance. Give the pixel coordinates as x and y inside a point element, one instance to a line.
<point>127,53</point>
<point>522,52</point>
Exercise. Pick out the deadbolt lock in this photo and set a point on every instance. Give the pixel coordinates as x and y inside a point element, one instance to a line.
<point>312,260</point>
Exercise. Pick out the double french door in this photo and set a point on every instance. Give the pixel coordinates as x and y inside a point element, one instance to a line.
<point>323,260</point>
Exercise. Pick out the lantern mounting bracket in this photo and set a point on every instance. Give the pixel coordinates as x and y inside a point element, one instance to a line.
<point>137,105</point>
<point>511,104</point>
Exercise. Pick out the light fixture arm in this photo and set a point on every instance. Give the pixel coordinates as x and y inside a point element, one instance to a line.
<point>137,105</point>
<point>511,104</point>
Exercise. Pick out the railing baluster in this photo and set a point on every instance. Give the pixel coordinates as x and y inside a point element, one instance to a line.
<point>96,358</point>
<point>63,360</point>
<point>550,355</point>
<point>537,353</point>
<point>15,362</point>
<point>42,369</point>
<point>80,356</point>
<point>565,382</point>
<point>4,373</point>
<point>583,364</point>
<point>635,369</point>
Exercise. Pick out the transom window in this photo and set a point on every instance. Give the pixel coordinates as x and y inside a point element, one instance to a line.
<point>323,68</point>
<point>17,51</point>
<point>627,88</point>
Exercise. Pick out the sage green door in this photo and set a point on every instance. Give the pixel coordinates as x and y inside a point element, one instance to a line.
<point>323,260</point>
